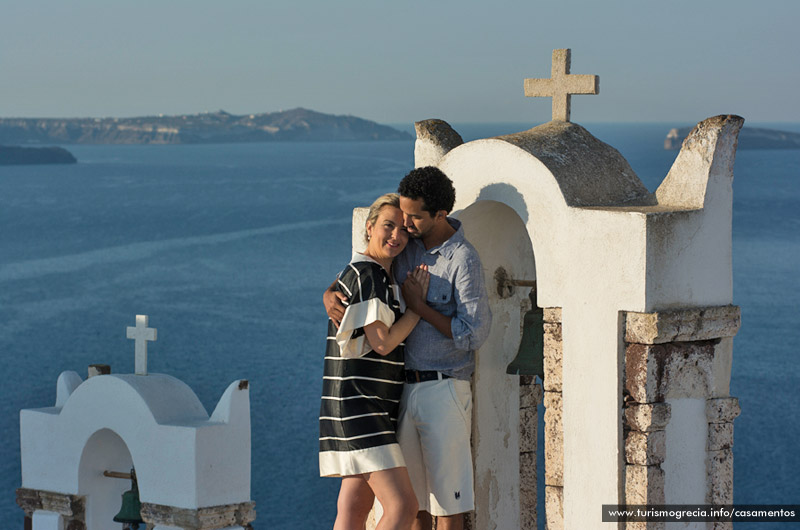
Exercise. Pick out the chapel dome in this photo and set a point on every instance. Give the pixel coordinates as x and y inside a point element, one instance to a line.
<point>168,399</point>
<point>588,171</point>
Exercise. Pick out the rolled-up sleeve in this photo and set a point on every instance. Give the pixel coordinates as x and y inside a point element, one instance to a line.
<point>473,319</point>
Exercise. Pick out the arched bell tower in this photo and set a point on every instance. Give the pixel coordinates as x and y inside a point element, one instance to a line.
<point>637,295</point>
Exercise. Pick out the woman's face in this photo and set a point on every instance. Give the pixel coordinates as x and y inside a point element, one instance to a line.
<point>387,236</point>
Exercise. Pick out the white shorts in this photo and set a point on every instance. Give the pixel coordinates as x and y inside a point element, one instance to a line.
<point>434,434</point>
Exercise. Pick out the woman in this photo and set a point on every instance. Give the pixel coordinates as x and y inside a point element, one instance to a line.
<point>364,377</point>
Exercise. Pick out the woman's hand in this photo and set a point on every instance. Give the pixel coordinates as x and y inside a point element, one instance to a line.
<point>423,277</point>
<point>415,288</point>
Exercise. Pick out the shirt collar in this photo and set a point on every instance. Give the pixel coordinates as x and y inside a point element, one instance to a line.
<point>359,257</point>
<point>447,248</point>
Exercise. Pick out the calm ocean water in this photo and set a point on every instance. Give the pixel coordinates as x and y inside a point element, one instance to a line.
<point>228,248</point>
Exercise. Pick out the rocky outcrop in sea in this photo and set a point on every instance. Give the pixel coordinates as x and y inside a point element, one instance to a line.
<point>35,155</point>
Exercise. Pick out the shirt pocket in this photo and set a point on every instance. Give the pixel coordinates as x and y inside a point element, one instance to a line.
<point>440,292</point>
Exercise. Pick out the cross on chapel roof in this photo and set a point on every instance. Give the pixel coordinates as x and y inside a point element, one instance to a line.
<point>562,85</point>
<point>141,335</point>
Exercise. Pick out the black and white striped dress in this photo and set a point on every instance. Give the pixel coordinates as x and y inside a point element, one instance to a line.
<point>361,389</point>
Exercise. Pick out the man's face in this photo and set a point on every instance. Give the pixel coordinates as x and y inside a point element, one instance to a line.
<point>418,222</point>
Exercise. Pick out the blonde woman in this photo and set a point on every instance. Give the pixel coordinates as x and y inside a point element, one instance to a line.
<point>364,376</point>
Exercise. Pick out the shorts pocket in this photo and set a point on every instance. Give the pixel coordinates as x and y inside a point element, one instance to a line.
<point>461,392</point>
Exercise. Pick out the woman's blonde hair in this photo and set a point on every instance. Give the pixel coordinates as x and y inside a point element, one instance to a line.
<point>390,199</point>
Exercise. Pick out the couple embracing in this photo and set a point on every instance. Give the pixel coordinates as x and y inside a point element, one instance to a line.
<point>407,315</point>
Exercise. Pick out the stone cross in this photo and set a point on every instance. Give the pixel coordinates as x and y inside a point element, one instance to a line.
<point>141,335</point>
<point>562,85</point>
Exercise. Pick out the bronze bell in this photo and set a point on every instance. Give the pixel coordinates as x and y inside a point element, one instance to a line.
<point>530,356</point>
<point>130,514</point>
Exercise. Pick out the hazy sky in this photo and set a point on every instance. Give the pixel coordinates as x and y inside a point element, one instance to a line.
<point>399,61</point>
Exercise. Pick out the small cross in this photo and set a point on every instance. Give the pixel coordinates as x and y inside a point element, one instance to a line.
<point>141,334</point>
<point>562,85</point>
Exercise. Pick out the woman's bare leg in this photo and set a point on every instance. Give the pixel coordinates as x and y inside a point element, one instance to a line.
<point>393,489</point>
<point>355,502</point>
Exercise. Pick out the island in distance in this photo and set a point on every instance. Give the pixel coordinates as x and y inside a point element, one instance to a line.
<point>749,138</point>
<point>210,127</point>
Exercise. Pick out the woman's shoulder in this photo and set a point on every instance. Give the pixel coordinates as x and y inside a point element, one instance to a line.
<point>367,276</point>
<point>362,267</point>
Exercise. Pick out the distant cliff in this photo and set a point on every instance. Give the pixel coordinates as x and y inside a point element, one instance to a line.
<point>749,138</point>
<point>34,155</point>
<point>217,127</point>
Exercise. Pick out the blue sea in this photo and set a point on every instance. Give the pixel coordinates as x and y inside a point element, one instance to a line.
<point>228,248</point>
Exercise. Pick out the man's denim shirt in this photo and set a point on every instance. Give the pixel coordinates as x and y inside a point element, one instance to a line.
<point>456,290</point>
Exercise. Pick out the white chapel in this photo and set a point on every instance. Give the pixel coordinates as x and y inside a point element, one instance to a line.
<point>192,470</point>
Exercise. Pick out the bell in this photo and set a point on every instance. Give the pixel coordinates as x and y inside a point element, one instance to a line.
<point>530,356</point>
<point>130,514</point>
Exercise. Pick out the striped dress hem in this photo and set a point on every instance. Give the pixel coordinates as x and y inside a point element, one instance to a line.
<point>369,460</point>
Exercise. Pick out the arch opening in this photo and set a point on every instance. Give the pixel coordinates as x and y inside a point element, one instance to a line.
<point>505,489</point>
<point>105,450</point>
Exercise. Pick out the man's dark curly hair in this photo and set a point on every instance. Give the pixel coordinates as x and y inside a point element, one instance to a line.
<point>432,186</point>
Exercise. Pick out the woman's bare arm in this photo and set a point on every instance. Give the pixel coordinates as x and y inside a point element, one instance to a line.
<point>385,339</point>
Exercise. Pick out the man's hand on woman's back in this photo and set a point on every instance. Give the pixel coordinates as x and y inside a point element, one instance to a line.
<point>332,300</point>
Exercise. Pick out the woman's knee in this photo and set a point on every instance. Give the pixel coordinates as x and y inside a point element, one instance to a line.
<point>357,508</point>
<point>404,511</point>
<point>354,508</point>
<point>355,499</point>
<point>411,509</point>
<point>393,489</point>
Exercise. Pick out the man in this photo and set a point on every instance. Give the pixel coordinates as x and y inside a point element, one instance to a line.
<point>436,407</point>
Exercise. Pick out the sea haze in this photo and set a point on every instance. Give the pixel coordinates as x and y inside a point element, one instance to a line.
<point>228,248</point>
